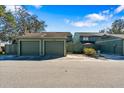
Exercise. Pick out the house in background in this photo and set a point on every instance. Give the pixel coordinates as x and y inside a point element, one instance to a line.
<point>84,37</point>
<point>106,43</point>
<point>43,43</point>
<point>111,44</point>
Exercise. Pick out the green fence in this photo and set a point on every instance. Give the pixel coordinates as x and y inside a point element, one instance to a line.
<point>11,49</point>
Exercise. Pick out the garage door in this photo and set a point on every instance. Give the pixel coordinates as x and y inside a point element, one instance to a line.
<point>29,48</point>
<point>54,48</point>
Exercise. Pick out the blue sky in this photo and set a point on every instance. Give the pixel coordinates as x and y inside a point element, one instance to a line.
<point>77,18</point>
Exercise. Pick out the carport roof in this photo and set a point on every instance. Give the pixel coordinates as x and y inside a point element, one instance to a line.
<point>89,34</point>
<point>100,34</point>
<point>46,35</point>
<point>117,35</point>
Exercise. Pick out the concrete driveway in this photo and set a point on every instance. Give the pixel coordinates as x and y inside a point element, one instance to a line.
<point>67,72</point>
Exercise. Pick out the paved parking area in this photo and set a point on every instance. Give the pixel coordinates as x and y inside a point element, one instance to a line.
<point>67,72</point>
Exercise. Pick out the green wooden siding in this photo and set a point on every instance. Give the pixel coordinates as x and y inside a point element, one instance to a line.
<point>111,46</point>
<point>54,48</point>
<point>29,48</point>
<point>11,49</point>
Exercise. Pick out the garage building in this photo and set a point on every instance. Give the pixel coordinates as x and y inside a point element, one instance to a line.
<point>41,44</point>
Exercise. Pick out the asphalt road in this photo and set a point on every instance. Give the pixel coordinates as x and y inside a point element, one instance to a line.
<point>68,72</point>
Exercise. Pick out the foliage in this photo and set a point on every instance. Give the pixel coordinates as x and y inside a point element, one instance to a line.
<point>7,22</point>
<point>89,52</point>
<point>27,23</point>
<point>117,27</point>
<point>90,45</point>
<point>18,22</point>
<point>77,48</point>
<point>69,47</point>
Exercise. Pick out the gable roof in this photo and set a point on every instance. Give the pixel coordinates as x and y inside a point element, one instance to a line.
<point>46,35</point>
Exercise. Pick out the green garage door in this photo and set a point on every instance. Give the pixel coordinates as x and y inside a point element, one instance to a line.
<point>54,48</point>
<point>29,48</point>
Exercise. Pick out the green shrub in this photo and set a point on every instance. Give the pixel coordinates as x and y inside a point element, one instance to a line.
<point>77,48</point>
<point>89,52</point>
<point>69,47</point>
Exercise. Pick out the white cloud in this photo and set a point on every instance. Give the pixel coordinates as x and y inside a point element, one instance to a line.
<point>119,9</point>
<point>106,11</point>
<point>91,20</point>
<point>13,7</point>
<point>83,24</point>
<point>38,6</point>
<point>95,17</point>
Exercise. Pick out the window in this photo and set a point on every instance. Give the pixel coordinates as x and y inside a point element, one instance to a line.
<point>85,38</point>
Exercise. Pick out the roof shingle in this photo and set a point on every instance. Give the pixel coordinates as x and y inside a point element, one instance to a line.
<point>46,35</point>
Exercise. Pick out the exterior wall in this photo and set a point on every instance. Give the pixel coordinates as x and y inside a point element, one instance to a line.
<point>111,46</point>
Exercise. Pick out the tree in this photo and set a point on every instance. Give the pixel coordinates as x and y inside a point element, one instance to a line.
<point>7,22</point>
<point>106,30</point>
<point>27,23</point>
<point>18,22</point>
<point>118,26</point>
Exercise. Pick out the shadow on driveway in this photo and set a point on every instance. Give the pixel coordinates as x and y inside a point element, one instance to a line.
<point>113,57</point>
<point>37,58</point>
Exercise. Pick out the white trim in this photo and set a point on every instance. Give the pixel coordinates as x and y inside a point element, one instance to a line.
<point>29,39</point>
<point>42,38</point>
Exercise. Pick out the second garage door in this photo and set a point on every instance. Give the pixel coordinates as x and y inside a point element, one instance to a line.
<point>54,48</point>
<point>29,48</point>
